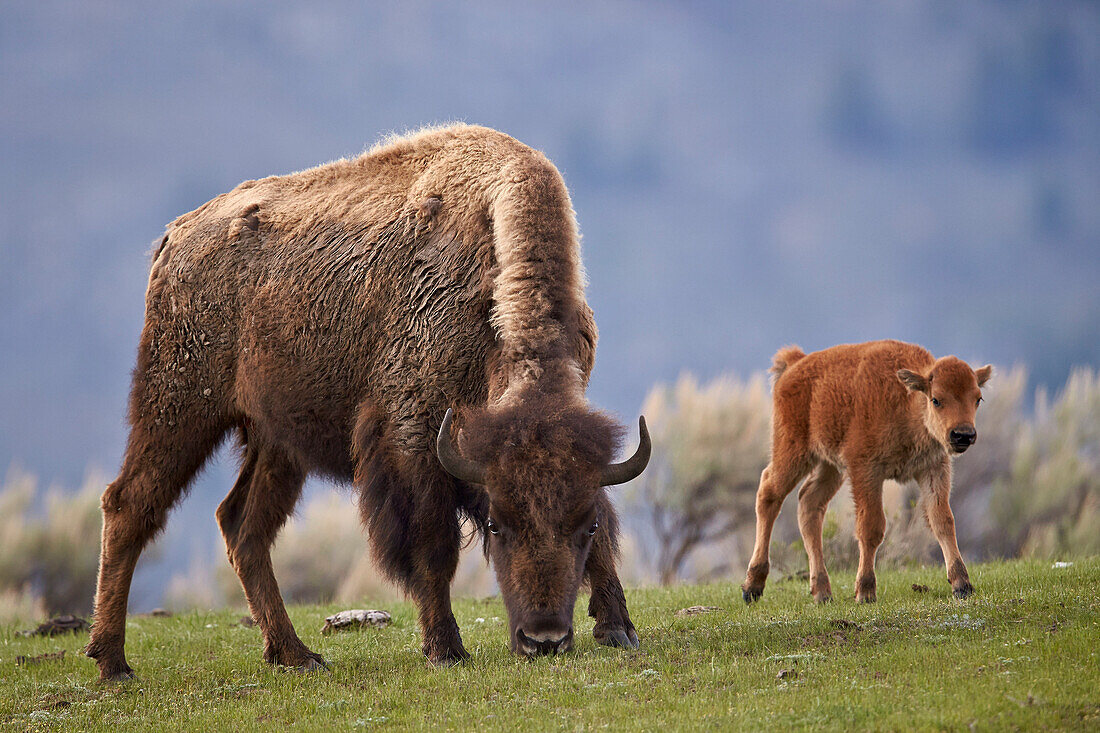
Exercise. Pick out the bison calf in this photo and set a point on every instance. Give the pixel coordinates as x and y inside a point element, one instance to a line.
<point>876,411</point>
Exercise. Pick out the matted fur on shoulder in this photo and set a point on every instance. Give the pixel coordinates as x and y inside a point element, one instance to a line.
<point>540,431</point>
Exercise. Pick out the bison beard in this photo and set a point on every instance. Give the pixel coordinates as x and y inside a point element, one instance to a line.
<point>330,318</point>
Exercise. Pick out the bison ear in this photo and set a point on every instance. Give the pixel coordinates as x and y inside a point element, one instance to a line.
<point>912,381</point>
<point>984,374</point>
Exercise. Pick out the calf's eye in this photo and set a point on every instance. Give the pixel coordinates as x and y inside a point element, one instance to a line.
<point>978,402</point>
<point>593,528</point>
<point>935,402</point>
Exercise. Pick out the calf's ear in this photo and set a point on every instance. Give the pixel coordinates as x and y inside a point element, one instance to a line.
<point>984,374</point>
<point>912,381</point>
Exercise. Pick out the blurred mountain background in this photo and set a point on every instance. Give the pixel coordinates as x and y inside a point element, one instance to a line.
<point>745,176</point>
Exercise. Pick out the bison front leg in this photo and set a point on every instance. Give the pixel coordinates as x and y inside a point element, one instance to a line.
<point>410,509</point>
<point>607,604</point>
<point>937,510</point>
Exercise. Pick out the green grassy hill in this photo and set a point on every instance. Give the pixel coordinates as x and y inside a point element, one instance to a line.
<point>1023,653</point>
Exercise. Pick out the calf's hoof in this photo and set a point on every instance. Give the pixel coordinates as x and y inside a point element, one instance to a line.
<point>964,590</point>
<point>751,594</point>
<point>823,597</point>
<point>866,589</point>
<point>620,638</point>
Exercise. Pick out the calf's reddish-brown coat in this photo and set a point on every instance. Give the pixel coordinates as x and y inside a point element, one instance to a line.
<point>874,411</point>
<point>330,319</point>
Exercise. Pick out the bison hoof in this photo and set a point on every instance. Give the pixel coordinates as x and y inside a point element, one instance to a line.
<point>122,675</point>
<point>620,638</point>
<point>449,656</point>
<point>823,597</point>
<point>449,659</point>
<point>751,594</point>
<point>964,591</point>
<point>313,664</point>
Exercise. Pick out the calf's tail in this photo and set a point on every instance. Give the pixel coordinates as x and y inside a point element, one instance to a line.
<point>784,358</point>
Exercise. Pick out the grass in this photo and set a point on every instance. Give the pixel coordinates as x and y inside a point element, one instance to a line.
<point>1023,653</point>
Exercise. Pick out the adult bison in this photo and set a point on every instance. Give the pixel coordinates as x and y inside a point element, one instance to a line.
<point>331,318</point>
<point>879,410</point>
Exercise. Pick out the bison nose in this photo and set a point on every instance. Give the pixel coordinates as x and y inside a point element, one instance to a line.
<point>544,642</point>
<point>962,438</point>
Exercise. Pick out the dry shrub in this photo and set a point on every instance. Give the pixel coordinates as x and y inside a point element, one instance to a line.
<point>1049,504</point>
<point>710,443</point>
<point>50,552</point>
<point>20,607</point>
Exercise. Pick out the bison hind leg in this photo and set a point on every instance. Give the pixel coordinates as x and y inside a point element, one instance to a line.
<point>250,517</point>
<point>160,461</point>
<point>813,500</point>
<point>778,479</point>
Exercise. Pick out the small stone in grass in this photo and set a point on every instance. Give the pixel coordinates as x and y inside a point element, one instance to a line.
<point>696,610</point>
<point>357,619</point>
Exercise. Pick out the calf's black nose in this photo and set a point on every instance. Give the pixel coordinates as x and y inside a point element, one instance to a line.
<point>963,436</point>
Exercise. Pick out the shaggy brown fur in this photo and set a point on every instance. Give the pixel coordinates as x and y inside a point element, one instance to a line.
<point>330,317</point>
<point>876,411</point>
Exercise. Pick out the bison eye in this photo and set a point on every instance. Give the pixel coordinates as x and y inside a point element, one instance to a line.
<point>492,527</point>
<point>593,528</point>
<point>935,402</point>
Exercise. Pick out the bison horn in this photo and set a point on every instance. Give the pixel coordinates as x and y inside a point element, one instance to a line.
<point>459,467</point>
<point>631,468</point>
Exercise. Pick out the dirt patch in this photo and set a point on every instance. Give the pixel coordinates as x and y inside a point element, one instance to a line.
<point>58,625</point>
<point>918,588</point>
<point>843,633</point>
<point>47,657</point>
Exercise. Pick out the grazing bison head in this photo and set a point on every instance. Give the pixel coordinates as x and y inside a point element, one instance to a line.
<point>952,391</point>
<point>543,467</point>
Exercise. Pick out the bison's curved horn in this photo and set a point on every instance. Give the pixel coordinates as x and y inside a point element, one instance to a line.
<point>459,467</point>
<point>620,473</point>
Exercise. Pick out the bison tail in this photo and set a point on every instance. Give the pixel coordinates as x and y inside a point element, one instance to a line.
<point>784,358</point>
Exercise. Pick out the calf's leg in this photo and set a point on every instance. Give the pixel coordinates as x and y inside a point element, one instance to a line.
<point>870,530</point>
<point>813,500</point>
<point>608,603</point>
<point>252,514</point>
<point>777,480</point>
<point>937,509</point>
